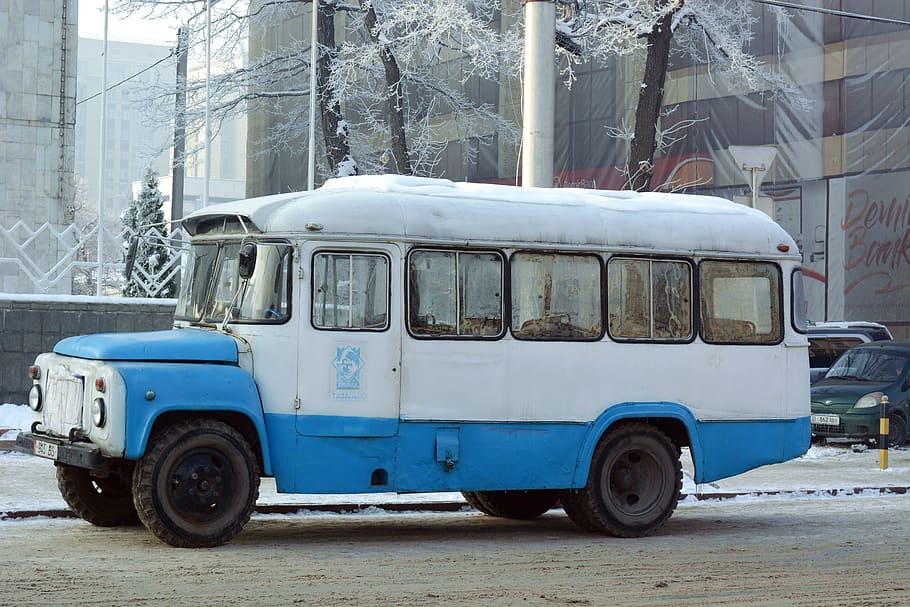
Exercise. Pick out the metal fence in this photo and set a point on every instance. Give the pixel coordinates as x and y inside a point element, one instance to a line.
<point>64,260</point>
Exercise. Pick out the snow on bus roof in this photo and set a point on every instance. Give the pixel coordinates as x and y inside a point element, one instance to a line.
<point>418,208</point>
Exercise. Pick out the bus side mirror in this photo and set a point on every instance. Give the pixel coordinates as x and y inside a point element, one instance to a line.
<point>131,257</point>
<point>247,260</point>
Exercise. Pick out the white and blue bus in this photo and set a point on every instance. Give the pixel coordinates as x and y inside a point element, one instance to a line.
<point>526,347</point>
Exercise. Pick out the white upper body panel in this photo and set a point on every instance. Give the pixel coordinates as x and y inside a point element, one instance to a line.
<point>393,207</point>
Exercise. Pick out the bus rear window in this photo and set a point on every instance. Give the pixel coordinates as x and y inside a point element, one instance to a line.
<point>740,302</point>
<point>556,296</point>
<point>649,299</point>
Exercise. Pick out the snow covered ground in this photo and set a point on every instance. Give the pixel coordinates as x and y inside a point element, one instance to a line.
<point>29,482</point>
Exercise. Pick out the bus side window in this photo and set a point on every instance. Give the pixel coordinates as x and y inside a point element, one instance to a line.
<point>350,291</point>
<point>556,296</point>
<point>740,302</point>
<point>649,299</point>
<point>455,293</point>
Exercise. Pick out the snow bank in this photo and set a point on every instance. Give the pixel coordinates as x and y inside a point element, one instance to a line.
<point>16,417</point>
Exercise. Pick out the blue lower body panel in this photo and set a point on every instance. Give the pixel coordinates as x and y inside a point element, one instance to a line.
<point>445,456</point>
<point>731,448</point>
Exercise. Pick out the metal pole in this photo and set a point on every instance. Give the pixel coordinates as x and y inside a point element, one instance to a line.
<point>539,95</point>
<point>177,170</point>
<point>314,56</point>
<point>102,158</point>
<point>883,431</point>
<point>208,74</point>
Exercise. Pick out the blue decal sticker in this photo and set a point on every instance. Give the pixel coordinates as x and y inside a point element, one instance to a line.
<point>348,364</point>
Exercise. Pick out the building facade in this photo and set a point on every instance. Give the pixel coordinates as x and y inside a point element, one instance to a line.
<point>132,141</point>
<point>37,137</point>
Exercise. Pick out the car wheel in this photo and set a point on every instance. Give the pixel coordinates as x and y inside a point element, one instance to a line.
<point>897,430</point>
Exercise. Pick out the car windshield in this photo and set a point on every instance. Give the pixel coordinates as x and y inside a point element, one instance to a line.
<point>212,280</point>
<point>874,365</point>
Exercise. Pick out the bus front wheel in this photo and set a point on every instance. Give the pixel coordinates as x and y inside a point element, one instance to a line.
<point>197,484</point>
<point>633,486</point>
<point>102,501</point>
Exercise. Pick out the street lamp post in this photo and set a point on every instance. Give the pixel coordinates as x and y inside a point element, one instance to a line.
<point>102,157</point>
<point>539,94</point>
<point>314,56</point>
<point>208,77</point>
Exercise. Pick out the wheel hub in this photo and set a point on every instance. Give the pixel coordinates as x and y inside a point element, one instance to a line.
<point>622,479</point>
<point>198,484</point>
<point>632,482</point>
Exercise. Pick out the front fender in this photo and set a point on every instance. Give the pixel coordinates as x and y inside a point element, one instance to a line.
<point>153,389</point>
<point>624,411</point>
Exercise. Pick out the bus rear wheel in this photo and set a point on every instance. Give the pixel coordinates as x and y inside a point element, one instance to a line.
<point>104,502</point>
<point>197,484</point>
<point>633,486</point>
<point>522,505</point>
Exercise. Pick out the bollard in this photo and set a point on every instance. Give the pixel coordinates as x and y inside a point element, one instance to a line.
<point>883,432</point>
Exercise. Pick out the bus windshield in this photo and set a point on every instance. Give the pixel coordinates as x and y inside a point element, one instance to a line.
<point>212,286</point>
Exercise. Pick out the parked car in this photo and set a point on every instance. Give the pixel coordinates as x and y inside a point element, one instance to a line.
<point>828,340</point>
<point>846,402</point>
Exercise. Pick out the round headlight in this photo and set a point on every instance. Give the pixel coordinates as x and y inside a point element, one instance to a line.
<point>99,412</point>
<point>873,399</point>
<point>34,397</point>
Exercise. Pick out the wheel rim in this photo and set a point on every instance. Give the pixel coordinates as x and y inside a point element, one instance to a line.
<point>201,487</point>
<point>633,483</point>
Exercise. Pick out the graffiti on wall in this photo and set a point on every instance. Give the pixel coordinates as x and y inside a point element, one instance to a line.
<point>876,227</point>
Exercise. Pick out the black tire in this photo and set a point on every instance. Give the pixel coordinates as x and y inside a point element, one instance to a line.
<point>197,483</point>
<point>633,486</point>
<point>474,502</point>
<point>897,430</point>
<point>522,505</point>
<point>104,502</point>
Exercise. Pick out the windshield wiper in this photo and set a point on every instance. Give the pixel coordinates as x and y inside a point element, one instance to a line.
<point>204,324</point>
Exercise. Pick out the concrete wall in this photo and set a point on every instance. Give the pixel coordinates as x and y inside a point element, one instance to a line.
<point>30,325</point>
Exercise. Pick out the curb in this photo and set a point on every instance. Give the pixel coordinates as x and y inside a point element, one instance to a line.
<point>462,506</point>
<point>6,444</point>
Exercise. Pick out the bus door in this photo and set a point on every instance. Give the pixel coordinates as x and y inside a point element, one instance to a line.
<point>350,347</point>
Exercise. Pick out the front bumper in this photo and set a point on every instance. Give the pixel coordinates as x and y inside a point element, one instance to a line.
<point>80,455</point>
<point>861,427</point>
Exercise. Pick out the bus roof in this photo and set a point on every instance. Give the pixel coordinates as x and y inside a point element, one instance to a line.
<point>396,207</point>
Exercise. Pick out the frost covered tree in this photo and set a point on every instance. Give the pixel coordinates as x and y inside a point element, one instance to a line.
<point>144,217</point>
<point>392,87</point>
<point>394,83</point>
<point>706,32</point>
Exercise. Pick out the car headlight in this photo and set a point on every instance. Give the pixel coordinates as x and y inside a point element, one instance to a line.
<point>99,412</point>
<point>34,397</point>
<point>873,399</point>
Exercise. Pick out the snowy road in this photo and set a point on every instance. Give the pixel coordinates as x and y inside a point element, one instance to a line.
<point>800,552</point>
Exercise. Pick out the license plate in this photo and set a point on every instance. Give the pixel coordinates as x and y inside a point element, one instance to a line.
<point>45,449</point>
<point>826,420</point>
